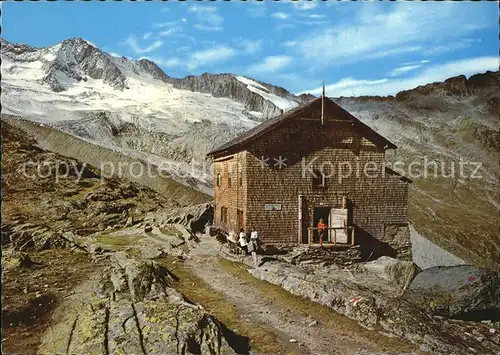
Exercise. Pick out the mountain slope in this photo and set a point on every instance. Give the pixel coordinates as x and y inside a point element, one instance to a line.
<point>446,124</point>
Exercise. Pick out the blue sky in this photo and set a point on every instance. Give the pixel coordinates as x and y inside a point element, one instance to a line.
<point>356,48</point>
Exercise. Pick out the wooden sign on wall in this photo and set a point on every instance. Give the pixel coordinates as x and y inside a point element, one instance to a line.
<point>272,207</point>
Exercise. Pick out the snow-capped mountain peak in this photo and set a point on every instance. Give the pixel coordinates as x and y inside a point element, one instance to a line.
<point>76,59</point>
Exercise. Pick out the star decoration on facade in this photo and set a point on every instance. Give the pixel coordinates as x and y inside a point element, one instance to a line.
<point>263,161</point>
<point>280,162</point>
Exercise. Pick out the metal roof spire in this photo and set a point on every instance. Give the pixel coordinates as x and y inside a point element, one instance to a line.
<point>323,105</point>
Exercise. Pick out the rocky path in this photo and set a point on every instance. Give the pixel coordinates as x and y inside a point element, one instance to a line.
<point>301,331</point>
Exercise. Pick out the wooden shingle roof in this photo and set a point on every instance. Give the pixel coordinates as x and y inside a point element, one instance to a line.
<point>331,107</point>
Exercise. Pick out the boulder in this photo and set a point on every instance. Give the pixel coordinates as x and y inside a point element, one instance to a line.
<point>12,259</point>
<point>193,217</point>
<point>130,222</point>
<point>400,272</point>
<point>341,255</point>
<point>464,292</point>
<point>151,252</point>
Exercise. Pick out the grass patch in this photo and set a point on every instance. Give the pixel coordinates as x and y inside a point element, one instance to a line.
<point>31,294</point>
<point>305,307</point>
<point>168,230</point>
<point>118,240</point>
<point>262,340</point>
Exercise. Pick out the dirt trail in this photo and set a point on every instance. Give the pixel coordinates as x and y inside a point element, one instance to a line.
<point>280,318</point>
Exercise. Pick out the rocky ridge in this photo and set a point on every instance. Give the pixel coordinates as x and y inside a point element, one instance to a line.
<point>226,85</point>
<point>131,308</point>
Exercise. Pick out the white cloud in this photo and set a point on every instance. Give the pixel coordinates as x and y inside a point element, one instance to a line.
<point>312,22</point>
<point>169,63</point>
<point>251,46</point>
<point>315,16</point>
<point>423,61</point>
<point>210,56</point>
<point>114,54</point>
<point>169,31</point>
<point>172,62</point>
<point>188,37</point>
<point>147,35</point>
<point>305,4</point>
<point>207,17</point>
<point>165,24</point>
<point>449,47</point>
<point>132,43</point>
<point>271,64</point>
<point>371,31</point>
<point>384,86</point>
<point>279,15</point>
<point>207,27</point>
<point>346,84</point>
<point>393,52</point>
<point>404,69</point>
<point>202,9</point>
<point>290,43</point>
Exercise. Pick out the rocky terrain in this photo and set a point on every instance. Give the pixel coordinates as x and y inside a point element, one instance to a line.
<point>63,293</point>
<point>130,308</point>
<point>373,294</point>
<point>46,194</point>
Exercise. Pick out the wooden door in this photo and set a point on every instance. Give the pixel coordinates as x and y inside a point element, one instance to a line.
<point>338,218</point>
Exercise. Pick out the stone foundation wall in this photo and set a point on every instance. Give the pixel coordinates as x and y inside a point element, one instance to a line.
<point>398,237</point>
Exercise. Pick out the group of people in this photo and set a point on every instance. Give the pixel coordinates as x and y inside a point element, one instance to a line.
<point>249,244</point>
